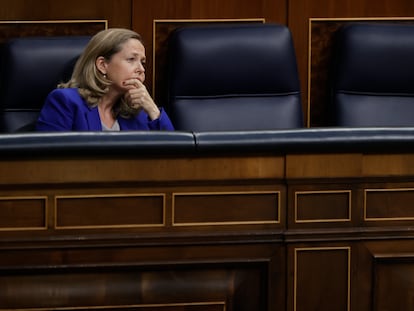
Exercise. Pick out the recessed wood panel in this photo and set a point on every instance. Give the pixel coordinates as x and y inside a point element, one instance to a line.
<point>205,287</point>
<point>322,206</point>
<point>109,211</point>
<point>389,204</point>
<point>394,283</point>
<point>226,208</point>
<point>322,279</point>
<point>117,12</point>
<point>23,213</point>
<point>14,29</point>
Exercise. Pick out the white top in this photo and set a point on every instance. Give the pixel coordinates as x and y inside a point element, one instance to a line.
<point>115,127</point>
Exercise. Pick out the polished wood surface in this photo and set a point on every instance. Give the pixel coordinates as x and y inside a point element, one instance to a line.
<point>246,232</point>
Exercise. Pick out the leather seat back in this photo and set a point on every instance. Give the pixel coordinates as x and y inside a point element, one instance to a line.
<point>30,68</point>
<point>234,77</point>
<point>374,75</point>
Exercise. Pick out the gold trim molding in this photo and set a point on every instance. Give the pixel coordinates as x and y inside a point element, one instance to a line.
<point>219,304</point>
<point>56,21</point>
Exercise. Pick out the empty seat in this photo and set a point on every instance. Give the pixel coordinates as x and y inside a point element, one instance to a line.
<point>233,77</point>
<point>373,75</point>
<point>29,69</point>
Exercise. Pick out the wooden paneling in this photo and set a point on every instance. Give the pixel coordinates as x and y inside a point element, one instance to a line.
<point>330,268</point>
<point>240,232</point>
<point>226,208</point>
<point>246,232</point>
<point>184,287</point>
<point>394,282</point>
<point>116,211</point>
<point>388,204</point>
<point>117,12</point>
<point>23,213</point>
<point>141,169</point>
<point>10,29</point>
<point>323,165</point>
<point>311,206</point>
<point>386,283</point>
<point>323,204</point>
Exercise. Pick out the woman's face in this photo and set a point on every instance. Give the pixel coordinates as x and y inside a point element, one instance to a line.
<point>127,65</point>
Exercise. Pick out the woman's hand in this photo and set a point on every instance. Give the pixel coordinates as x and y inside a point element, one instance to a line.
<point>138,97</point>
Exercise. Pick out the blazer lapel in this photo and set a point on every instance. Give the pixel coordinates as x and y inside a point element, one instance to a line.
<point>93,120</point>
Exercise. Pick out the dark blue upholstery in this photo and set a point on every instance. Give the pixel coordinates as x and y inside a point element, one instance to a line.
<point>30,68</point>
<point>233,77</point>
<point>374,75</point>
<point>126,143</point>
<point>138,144</point>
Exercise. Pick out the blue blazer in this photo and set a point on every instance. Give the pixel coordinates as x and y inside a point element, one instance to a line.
<point>66,110</point>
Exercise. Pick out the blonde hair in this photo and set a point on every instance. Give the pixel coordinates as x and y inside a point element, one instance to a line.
<point>92,85</point>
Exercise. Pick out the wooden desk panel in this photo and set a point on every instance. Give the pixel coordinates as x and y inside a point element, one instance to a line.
<point>254,232</point>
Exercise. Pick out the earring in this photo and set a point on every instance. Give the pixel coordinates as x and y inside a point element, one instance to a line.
<point>104,75</point>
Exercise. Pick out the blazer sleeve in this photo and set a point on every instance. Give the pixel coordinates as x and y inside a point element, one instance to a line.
<point>57,113</point>
<point>163,123</point>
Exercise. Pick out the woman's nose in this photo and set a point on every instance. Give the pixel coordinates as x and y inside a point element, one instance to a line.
<point>140,67</point>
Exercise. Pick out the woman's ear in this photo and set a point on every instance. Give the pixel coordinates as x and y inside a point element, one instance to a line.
<point>100,64</point>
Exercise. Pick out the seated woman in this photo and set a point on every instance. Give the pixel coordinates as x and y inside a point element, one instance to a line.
<point>106,90</point>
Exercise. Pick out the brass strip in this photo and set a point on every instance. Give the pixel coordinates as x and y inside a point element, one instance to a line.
<point>308,104</point>
<point>126,307</point>
<point>61,21</point>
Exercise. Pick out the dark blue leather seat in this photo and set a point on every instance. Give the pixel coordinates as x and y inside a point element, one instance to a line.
<point>233,77</point>
<point>374,75</point>
<point>30,68</point>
